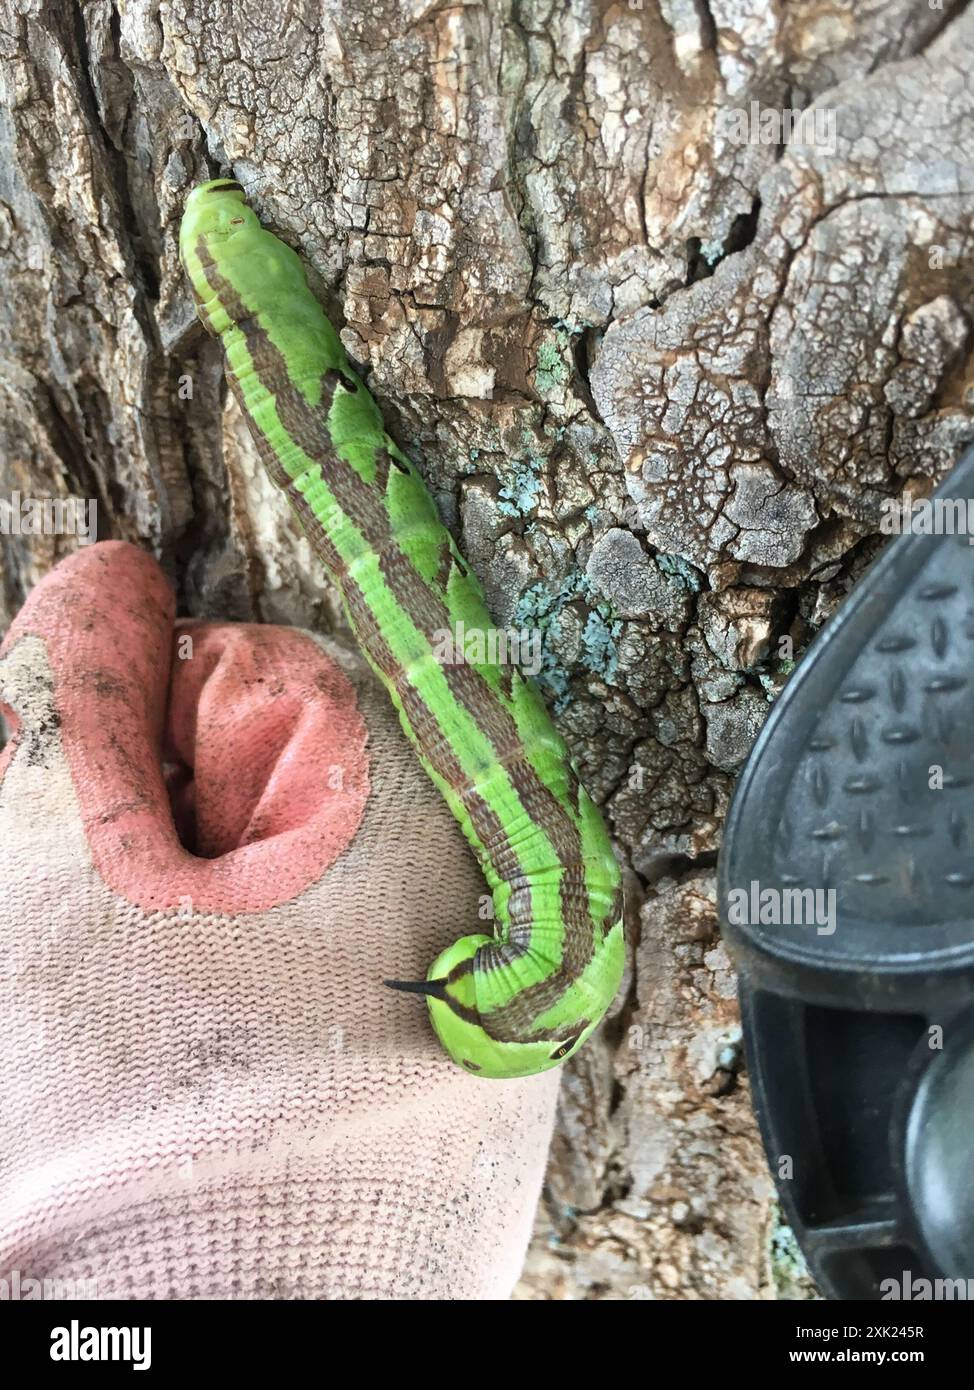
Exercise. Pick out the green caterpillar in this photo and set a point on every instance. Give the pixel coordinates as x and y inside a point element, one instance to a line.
<point>523,1000</point>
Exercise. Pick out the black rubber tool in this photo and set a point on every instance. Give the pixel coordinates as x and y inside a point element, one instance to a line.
<point>859,1018</point>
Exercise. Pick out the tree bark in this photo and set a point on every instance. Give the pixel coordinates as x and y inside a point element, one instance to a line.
<point>659,374</point>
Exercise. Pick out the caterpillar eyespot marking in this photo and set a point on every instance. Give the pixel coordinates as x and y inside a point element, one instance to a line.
<point>521,1000</point>
<point>564,1048</point>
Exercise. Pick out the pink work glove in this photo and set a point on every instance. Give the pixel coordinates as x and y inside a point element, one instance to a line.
<point>206,1089</point>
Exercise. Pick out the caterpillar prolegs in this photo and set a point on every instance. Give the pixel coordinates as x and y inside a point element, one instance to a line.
<point>529,996</point>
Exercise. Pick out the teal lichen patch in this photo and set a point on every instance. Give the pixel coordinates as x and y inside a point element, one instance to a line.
<point>682,571</point>
<point>518,494</point>
<point>551,368</point>
<point>790,1274</point>
<point>520,489</point>
<point>601,653</point>
<point>541,608</point>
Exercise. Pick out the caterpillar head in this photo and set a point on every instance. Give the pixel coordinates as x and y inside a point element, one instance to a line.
<point>217,208</point>
<point>216,216</point>
<point>234,265</point>
<point>451,991</point>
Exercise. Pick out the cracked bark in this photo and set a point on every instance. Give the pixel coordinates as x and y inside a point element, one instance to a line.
<point>659,381</point>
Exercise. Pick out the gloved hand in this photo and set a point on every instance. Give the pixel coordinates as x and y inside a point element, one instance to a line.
<point>206,1089</point>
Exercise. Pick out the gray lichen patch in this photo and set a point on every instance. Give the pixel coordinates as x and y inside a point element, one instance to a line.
<point>931,342</point>
<point>732,727</point>
<point>772,518</point>
<point>620,569</point>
